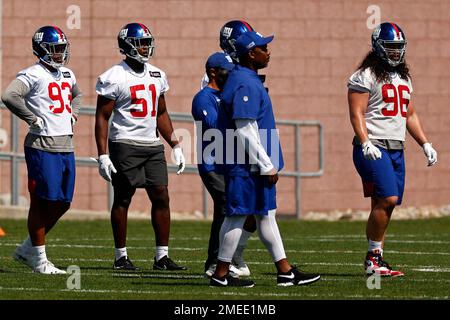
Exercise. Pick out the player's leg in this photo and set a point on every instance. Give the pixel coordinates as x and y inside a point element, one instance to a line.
<point>238,263</point>
<point>230,233</point>
<point>156,182</point>
<point>287,275</point>
<point>56,209</point>
<point>381,184</point>
<point>123,195</point>
<point>36,222</point>
<point>129,175</point>
<point>215,185</point>
<point>45,174</point>
<point>160,212</point>
<point>159,196</point>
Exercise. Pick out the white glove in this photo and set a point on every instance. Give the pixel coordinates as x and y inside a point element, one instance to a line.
<point>105,167</point>
<point>37,125</point>
<point>179,158</point>
<point>370,151</point>
<point>430,153</point>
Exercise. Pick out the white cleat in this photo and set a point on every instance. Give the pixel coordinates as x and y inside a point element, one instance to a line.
<point>241,271</point>
<point>210,271</point>
<point>46,267</point>
<point>21,255</point>
<point>238,264</point>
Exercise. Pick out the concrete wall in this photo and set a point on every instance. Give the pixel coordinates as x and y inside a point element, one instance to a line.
<point>317,46</point>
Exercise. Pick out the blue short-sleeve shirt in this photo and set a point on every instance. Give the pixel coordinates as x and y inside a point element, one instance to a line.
<point>244,97</point>
<point>205,107</point>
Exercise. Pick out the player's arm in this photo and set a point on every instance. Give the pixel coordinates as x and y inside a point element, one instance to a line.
<point>165,128</point>
<point>14,99</point>
<point>357,102</point>
<point>103,112</point>
<point>164,124</point>
<point>77,97</point>
<point>415,129</point>
<point>248,132</point>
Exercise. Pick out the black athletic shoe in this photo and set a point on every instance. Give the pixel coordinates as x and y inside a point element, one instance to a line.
<point>165,263</point>
<point>296,277</point>
<point>230,281</point>
<point>124,264</point>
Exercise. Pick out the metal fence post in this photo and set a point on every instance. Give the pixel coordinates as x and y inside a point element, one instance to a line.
<point>14,161</point>
<point>298,192</point>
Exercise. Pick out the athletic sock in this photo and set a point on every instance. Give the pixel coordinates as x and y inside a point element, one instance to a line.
<point>120,252</point>
<point>39,253</point>
<point>375,247</point>
<point>161,251</point>
<point>26,244</point>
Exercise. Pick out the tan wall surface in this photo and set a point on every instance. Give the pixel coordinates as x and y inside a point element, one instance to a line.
<point>317,46</point>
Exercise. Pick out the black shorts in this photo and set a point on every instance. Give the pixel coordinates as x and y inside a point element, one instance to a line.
<point>138,166</point>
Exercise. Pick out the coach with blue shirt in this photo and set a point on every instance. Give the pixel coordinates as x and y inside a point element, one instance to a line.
<point>253,158</point>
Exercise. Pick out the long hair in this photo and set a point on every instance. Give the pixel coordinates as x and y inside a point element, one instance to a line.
<point>381,68</point>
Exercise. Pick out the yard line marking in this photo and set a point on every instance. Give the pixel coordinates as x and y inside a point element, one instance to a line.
<point>389,240</point>
<point>252,238</point>
<point>420,267</point>
<point>433,270</point>
<point>83,246</point>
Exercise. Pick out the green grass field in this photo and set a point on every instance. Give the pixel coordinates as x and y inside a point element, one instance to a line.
<point>336,250</point>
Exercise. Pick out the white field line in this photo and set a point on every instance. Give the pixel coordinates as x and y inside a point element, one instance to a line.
<point>252,238</point>
<point>438,270</point>
<point>253,277</point>
<point>87,246</point>
<point>138,275</point>
<point>389,240</point>
<point>244,294</point>
<point>419,268</point>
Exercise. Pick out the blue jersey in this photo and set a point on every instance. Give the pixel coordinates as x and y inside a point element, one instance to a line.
<point>244,97</point>
<point>205,107</point>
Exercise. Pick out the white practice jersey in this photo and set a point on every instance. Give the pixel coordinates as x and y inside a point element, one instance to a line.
<point>50,98</point>
<point>388,104</point>
<point>136,100</point>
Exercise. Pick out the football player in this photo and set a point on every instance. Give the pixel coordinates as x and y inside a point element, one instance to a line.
<point>46,96</point>
<point>250,184</point>
<point>228,34</point>
<point>379,97</point>
<point>133,93</point>
<point>204,111</point>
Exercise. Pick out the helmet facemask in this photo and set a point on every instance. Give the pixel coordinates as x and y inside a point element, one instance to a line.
<point>230,49</point>
<point>142,49</point>
<point>393,52</point>
<point>56,54</point>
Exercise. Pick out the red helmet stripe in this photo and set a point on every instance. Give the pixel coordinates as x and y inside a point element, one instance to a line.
<point>61,34</point>
<point>247,25</point>
<point>396,29</point>
<point>143,27</point>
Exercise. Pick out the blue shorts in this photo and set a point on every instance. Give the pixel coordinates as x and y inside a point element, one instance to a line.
<point>246,195</point>
<point>51,175</point>
<point>384,177</point>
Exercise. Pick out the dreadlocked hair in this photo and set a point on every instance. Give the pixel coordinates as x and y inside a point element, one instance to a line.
<point>381,68</point>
